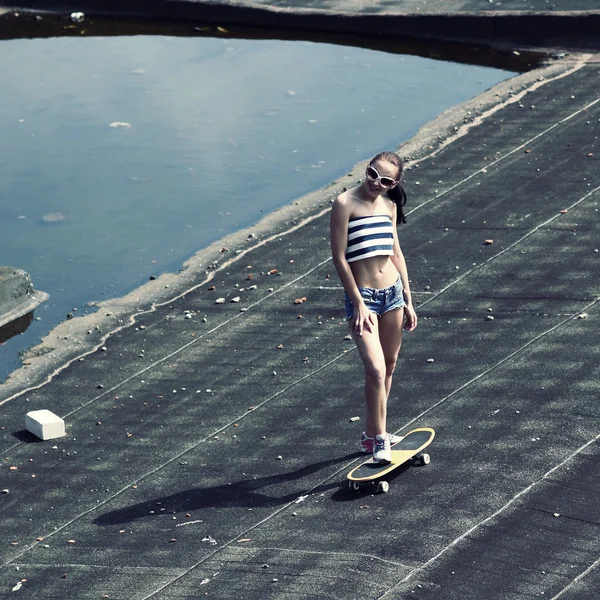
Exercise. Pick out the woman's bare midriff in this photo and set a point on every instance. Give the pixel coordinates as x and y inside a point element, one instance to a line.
<point>377,272</point>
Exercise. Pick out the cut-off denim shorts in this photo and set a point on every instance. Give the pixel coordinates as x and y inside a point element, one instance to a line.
<point>379,301</point>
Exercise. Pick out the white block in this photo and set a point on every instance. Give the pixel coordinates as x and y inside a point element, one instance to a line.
<point>44,424</point>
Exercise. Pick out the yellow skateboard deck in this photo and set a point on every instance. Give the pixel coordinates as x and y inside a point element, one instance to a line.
<point>408,448</point>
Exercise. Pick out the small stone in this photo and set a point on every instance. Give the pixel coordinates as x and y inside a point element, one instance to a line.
<point>582,316</point>
<point>557,514</point>
<point>489,318</point>
<point>348,337</point>
<point>430,360</point>
<point>280,457</point>
<point>220,301</point>
<point>236,299</point>
<point>103,348</point>
<point>354,419</point>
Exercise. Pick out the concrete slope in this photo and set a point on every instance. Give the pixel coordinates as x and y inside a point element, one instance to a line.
<point>206,456</point>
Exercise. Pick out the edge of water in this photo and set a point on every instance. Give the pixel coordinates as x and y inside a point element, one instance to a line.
<point>70,341</point>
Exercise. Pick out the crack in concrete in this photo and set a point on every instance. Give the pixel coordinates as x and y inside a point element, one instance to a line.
<point>323,553</point>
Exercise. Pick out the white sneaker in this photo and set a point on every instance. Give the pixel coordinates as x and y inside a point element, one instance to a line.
<point>366,442</point>
<point>382,451</point>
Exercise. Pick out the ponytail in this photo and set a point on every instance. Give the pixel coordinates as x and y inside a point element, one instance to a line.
<point>398,196</point>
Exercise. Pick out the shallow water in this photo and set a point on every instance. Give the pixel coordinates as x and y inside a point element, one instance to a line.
<point>121,157</point>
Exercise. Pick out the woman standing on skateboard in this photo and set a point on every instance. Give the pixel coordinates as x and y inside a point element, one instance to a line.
<point>371,267</point>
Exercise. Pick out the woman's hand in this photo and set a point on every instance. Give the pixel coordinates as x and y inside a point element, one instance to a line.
<point>410,318</point>
<point>364,319</point>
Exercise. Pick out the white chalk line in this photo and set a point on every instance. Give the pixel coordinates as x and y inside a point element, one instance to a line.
<point>503,157</point>
<point>579,577</point>
<point>493,515</point>
<point>511,246</point>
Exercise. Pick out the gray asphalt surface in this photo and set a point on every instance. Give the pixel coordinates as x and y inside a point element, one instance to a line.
<point>206,456</point>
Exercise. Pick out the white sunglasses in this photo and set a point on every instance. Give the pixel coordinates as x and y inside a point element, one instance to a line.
<point>373,175</point>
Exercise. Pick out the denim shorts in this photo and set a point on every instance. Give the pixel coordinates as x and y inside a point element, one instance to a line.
<point>379,301</point>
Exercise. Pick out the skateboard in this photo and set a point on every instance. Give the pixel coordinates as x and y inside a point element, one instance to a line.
<point>409,448</point>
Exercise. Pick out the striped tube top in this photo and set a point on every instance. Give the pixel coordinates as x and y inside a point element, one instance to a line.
<point>370,236</point>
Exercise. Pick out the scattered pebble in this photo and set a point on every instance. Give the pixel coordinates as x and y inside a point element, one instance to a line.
<point>354,419</point>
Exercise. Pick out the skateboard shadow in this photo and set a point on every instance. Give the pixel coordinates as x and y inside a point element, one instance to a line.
<point>244,493</point>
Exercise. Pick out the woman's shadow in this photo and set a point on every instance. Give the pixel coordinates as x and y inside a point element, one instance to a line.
<point>240,493</point>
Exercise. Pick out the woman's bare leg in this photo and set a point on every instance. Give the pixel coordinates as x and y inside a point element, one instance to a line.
<point>390,336</point>
<point>371,353</point>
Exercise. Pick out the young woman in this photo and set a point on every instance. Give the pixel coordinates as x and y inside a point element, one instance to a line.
<point>372,269</point>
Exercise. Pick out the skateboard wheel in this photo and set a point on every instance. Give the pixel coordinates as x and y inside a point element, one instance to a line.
<point>354,486</point>
<point>425,459</point>
<point>383,487</point>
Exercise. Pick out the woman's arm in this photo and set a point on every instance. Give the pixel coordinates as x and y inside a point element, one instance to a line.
<point>338,228</point>
<point>400,264</point>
